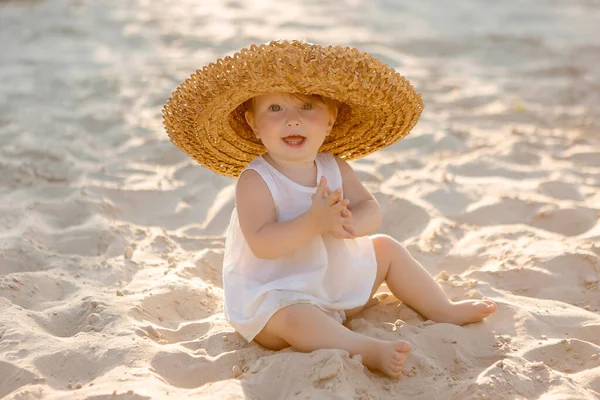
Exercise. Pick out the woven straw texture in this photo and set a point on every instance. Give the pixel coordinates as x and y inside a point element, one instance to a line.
<point>205,115</point>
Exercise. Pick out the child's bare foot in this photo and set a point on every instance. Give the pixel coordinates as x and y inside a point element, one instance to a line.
<point>467,311</point>
<point>387,357</point>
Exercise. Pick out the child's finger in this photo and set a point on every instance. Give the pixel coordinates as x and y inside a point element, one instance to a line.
<point>340,205</point>
<point>334,197</point>
<point>322,187</point>
<point>348,234</point>
<point>349,229</point>
<point>345,221</point>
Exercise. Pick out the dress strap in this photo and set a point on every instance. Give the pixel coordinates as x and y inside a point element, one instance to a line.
<point>331,170</point>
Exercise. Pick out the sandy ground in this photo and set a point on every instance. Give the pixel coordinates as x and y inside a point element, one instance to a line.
<point>111,239</point>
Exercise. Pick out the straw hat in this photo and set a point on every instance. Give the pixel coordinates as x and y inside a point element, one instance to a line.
<point>205,115</point>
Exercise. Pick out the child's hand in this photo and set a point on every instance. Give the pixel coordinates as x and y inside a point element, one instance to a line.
<point>326,212</point>
<point>337,195</point>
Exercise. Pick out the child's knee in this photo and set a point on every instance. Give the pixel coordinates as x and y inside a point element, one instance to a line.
<point>381,239</point>
<point>388,249</point>
<point>383,244</point>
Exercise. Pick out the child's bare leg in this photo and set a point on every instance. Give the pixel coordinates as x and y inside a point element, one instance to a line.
<point>413,285</point>
<point>306,328</point>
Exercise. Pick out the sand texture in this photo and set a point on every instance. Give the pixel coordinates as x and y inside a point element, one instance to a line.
<point>111,239</point>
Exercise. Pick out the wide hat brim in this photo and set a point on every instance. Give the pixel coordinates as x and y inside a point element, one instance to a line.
<point>205,115</point>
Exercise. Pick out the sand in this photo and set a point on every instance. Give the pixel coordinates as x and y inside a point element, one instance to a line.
<point>111,239</point>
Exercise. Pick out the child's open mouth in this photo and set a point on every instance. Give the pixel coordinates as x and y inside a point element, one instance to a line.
<point>294,140</point>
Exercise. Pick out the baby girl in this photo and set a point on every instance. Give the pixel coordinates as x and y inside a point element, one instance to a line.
<point>302,254</point>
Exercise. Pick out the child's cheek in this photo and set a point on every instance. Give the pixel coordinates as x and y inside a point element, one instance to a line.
<point>272,118</point>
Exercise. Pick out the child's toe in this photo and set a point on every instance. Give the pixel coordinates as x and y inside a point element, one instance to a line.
<point>491,306</point>
<point>403,347</point>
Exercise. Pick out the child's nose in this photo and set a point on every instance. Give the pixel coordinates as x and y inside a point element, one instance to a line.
<point>293,120</point>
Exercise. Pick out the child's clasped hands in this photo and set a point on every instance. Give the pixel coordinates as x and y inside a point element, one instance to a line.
<point>330,213</point>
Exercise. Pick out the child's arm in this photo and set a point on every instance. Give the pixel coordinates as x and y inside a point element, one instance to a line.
<point>270,239</point>
<point>365,210</point>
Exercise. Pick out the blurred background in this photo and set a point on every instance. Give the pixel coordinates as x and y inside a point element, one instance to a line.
<point>82,83</point>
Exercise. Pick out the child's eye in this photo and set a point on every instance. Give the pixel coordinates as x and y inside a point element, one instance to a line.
<point>274,107</point>
<point>308,106</point>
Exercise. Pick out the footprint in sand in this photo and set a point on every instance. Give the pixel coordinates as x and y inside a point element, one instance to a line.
<point>176,306</point>
<point>139,207</point>
<point>566,355</point>
<point>36,167</point>
<point>501,211</point>
<point>519,155</point>
<point>35,291</point>
<point>18,254</point>
<point>561,190</point>
<point>217,343</point>
<point>70,211</point>
<point>566,221</point>
<point>569,278</point>
<point>185,332</point>
<point>450,200</point>
<point>583,158</point>
<point>78,365</point>
<point>207,265</point>
<point>185,370</point>
<point>93,238</point>
<point>67,321</point>
<point>518,378</point>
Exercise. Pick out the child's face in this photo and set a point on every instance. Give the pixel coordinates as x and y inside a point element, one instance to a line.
<point>291,128</point>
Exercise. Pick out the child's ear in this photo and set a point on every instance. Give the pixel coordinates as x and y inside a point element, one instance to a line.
<point>250,120</point>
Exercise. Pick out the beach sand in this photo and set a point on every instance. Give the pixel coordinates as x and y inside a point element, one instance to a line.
<point>111,239</point>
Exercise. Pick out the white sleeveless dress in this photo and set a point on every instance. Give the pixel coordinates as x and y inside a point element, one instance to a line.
<point>332,274</point>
